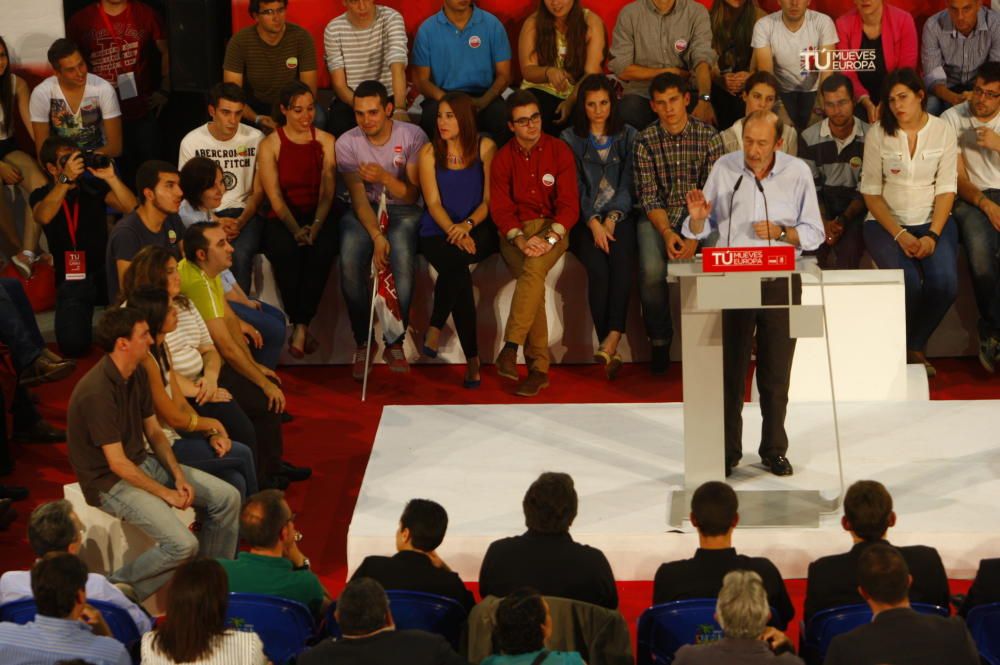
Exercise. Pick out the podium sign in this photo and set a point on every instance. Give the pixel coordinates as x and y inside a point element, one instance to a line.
<point>748,259</point>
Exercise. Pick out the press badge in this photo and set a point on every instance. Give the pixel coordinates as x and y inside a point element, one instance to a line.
<point>126,86</point>
<point>76,266</point>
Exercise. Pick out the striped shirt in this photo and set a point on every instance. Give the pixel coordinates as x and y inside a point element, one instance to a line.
<point>950,57</point>
<point>47,640</point>
<point>191,334</point>
<point>267,69</point>
<point>366,54</point>
<point>835,165</point>
<point>233,647</point>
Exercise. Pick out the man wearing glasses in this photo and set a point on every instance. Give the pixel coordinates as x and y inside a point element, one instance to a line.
<point>267,56</point>
<point>977,209</point>
<point>534,203</point>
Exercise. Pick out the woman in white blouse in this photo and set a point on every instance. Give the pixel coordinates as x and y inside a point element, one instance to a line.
<point>909,180</point>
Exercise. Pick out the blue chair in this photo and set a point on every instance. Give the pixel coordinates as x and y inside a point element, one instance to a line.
<point>415,610</point>
<point>665,628</point>
<point>284,626</point>
<point>984,624</point>
<point>330,621</point>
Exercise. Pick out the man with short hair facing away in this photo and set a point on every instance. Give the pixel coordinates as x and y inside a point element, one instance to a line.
<point>110,422</point>
<point>76,105</point>
<point>534,202</point>
<point>274,566</point>
<point>898,634</point>
<point>265,57</point>
<point>956,42</point>
<point>715,514</point>
<point>834,150</point>
<point>65,626</point>
<point>365,43</point>
<point>655,37</point>
<point>868,516</point>
<point>672,156</point>
<point>463,48</point>
<point>370,635</point>
<point>416,565</point>
<point>233,146</point>
<point>378,156</point>
<point>760,93</point>
<point>55,527</point>
<point>977,210</point>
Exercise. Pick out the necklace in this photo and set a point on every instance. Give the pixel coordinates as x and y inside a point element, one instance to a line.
<point>455,160</point>
<point>601,146</point>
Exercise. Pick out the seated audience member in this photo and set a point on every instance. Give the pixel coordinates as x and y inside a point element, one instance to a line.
<point>378,157</point>
<point>908,180</point>
<point>604,238</point>
<point>256,389</point>
<point>65,625</point>
<point>732,24</point>
<point>888,31</point>
<point>661,189</point>
<point>265,57</point>
<point>297,170</point>
<point>760,93</point>
<point>456,230</point>
<point>203,184</point>
<point>234,146</point>
<point>110,421</point>
<point>523,624</point>
<point>976,123</point>
<point>559,44</point>
<point>868,515</point>
<point>742,612</point>
<point>54,527</point>
<point>898,634</point>
<point>715,513</point>
<point>535,204</point>
<point>985,587</point>
<point>463,48</point>
<point>956,42</point>
<point>96,124</point>
<point>71,210</point>
<point>153,222</point>
<point>365,43</point>
<point>416,565</point>
<point>638,55</point>
<point>546,557</point>
<point>195,629</point>
<point>274,566</point>
<point>834,149</point>
<point>370,636</point>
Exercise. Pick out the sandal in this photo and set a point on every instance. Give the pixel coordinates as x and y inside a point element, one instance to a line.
<point>602,356</point>
<point>612,368</point>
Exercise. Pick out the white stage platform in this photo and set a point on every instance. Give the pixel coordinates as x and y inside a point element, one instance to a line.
<point>939,459</point>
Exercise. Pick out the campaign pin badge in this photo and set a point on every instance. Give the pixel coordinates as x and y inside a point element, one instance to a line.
<point>475,41</point>
<point>548,180</point>
<point>292,62</point>
<point>680,45</point>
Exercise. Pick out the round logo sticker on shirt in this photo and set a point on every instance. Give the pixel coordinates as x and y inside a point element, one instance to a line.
<point>475,41</point>
<point>292,63</point>
<point>172,237</point>
<point>229,181</point>
<point>680,45</point>
<point>855,162</point>
<point>548,180</point>
<point>398,161</point>
<point>398,149</point>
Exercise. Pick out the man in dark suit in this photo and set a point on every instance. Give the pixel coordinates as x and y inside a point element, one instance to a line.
<point>868,515</point>
<point>370,636</point>
<point>898,634</point>
<point>715,513</point>
<point>546,557</point>
<point>416,565</point>
<point>985,588</point>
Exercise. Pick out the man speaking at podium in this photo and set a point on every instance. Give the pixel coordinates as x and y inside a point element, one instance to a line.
<point>754,197</point>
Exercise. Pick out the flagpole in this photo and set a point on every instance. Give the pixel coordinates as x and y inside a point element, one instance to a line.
<point>371,324</point>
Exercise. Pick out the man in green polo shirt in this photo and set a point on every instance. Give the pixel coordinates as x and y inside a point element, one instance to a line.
<point>275,565</point>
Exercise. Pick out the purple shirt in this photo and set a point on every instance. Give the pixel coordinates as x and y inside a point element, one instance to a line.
<point>402,148</point>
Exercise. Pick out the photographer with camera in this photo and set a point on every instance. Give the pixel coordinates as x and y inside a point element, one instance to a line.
<point>71,210</point>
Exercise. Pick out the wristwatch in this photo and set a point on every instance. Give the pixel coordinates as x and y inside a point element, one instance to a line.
<point>552,239</point>
<point>63,179</point>
<point>705,98</point>
<point>781,236</point>
<point>305,564</point>
<point>469,221</point>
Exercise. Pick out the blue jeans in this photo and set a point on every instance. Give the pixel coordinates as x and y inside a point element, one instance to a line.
<point>653,292</point>
<point>245,247</point>
<point>216,504</point>
<point>18,327</point>
<point>982,245</point>
<point>236,468</point>
<point>356,250</point>
<point>931,283</point>
<point>270,321</point>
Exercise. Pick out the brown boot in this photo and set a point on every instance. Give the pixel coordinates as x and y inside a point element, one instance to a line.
<point>44,370</point>
<point>506,363</point>
<point>533,384</point>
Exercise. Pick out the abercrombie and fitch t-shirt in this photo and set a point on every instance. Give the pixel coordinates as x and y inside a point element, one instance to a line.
<point>237,158</point>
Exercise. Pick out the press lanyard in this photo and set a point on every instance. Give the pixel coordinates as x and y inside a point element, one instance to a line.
<point>72,220</point>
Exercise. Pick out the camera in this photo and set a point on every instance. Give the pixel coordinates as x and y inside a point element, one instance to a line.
<point>95,160</point>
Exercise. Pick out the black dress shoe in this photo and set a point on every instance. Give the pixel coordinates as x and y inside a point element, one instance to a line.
<point>41,432</point>
<point>44,369</point>
<point>13,492</point>
<point>295,473</point>
<point>286,417</point>
<point>275,482</point>
<point>778,465</point>
<point>659,359</point>
<point>7,514</point>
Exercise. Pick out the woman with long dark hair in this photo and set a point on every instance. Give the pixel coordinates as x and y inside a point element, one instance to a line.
<point>523,623</point>
<point>909,178</point>
<point>604,240</point>
<point>455,229</point>
<point>732,31</point>
<point>559,44</point>
<point>194,628</point>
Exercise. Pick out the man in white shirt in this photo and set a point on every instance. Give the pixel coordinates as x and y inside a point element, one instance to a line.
<point>233,146</point>
<point>977,125</point>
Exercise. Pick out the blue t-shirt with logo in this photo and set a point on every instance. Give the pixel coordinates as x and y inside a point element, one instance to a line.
<point>462,60</point>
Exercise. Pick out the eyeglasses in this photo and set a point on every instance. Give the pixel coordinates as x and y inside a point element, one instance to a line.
<point>529,120</point>
<point>985,93</point>
<point>272,12</point>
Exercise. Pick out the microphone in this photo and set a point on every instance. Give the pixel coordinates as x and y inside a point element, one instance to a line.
<point>729,231</point>
<point>767,215</point>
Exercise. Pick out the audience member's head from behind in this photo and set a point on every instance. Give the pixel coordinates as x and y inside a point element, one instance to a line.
<point>362,608</point>
<point>550,503</point>
<point>868,511</point>
<point>225,107</point>
<point>68,63</point>
<point>421,526</point>
<point>596,104</point>
<point>197,598</point>
<point>203,183</point>
<point>123,334</point>
<point>158,186</point>
<point>155,267</point>
<point>669,98</point>
<point>742,607</point>
<point>523,623</point>
<point>267,523</point>
<point>884,578</point>
<point>524,118</point>
<point>58,584</point>
<point>714,511</point>
<point>206,246</point>
<point>54,527</point>
<point>373,109</point>
<point>297,107</point>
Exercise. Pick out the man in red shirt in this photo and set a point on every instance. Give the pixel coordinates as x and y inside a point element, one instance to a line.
<point>534,203</point>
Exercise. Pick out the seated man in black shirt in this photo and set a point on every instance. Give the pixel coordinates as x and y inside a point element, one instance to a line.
<point>715,513</point>
<point>985,588</point>
<point>545,557</point>
<point>416,565</point>
<point>868,515</point>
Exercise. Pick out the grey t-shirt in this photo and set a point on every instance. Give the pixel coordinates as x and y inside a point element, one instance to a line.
<point>402,148</point>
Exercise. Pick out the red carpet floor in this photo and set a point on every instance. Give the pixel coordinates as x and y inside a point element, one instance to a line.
<point>333,432</point>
